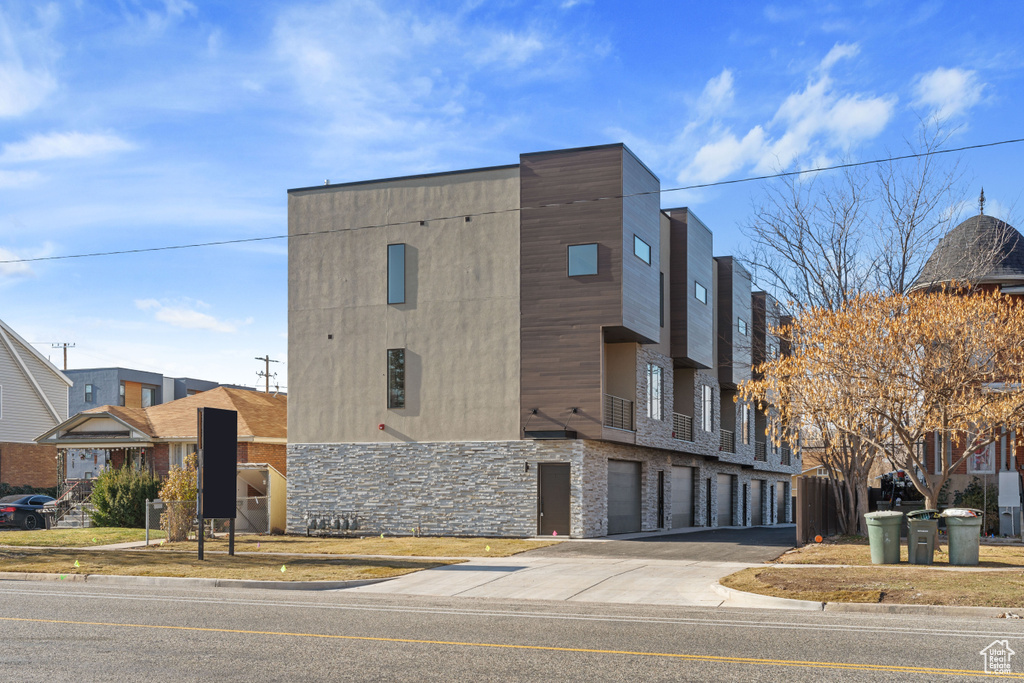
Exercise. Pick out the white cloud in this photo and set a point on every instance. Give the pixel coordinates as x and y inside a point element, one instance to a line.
<point>63,146</point>
<point>18,178</point>
<point>839,51</point>
<point>509,50</point>
<point>22,269</point>
<point>948,93</point>
<point>23,90</point>
<point>26,52</point>
<point>186,317</point>
<point>813,122</point>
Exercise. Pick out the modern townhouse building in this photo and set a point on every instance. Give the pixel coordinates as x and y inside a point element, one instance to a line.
<point>130,388</point>
<point>535,348</point>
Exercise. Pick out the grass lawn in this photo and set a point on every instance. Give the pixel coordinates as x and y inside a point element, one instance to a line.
<point>405,545</point>
<point>906,584</point>
<point>75,538</point>
<point>855,550</point>
<point>136,563</point>
<point>909,585</point>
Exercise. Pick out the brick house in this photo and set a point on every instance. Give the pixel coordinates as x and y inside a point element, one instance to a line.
<point>33,398</point>
<point>527,349</point>
<point>156,437</point>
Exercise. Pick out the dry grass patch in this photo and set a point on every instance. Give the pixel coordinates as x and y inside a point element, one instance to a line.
<point>884,584</point>
<point>215,566</point>
<point>854,550</point>
<point>76,538</point>
<point>407,546</point>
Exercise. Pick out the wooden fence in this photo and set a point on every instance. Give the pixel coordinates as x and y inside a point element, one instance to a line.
<point>815,509</point>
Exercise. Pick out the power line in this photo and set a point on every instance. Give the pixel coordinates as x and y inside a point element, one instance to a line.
<point>719,183</point>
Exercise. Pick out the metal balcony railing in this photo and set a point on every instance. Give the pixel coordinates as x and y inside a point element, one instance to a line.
<point>682,427</point>
<point>787,456</point>
<point>760,451</point>
<point>728,441</point>
<point>618,412</point>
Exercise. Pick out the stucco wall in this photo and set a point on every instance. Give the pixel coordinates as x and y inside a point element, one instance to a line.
<point>459,323</point>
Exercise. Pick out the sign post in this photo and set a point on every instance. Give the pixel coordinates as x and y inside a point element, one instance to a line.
<point>218,469</point>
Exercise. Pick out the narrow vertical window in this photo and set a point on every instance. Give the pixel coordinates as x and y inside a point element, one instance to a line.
<point>661,299</point>
<point>742,324</point>
<point>706,415</point>
<point>121,395</point>
<point>654,391</point>
<point>745,424</point>
<point>396,273</point>
<point>396,378</point>
<point>88,393</point>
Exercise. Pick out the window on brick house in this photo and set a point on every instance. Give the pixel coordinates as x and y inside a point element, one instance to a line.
<point>745,425</point>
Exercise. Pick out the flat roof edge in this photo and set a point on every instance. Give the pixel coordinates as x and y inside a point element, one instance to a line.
<point>404,177</point>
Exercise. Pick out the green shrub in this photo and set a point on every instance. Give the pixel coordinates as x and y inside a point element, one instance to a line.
<point>9,490</point>
<point>119,497</point>
<point>974,496</point>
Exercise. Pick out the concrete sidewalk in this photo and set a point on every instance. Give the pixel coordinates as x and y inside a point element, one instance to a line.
<point>633,581</point>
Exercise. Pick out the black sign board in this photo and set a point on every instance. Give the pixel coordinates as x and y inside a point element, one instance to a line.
<point>218,462</point>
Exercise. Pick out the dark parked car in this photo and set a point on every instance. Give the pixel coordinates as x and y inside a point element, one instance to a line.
<point>23,511</point>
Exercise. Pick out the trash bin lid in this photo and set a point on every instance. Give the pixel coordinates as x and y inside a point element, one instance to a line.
<point>961,512</point>
<point>883,515</point>
<point>922,514</point>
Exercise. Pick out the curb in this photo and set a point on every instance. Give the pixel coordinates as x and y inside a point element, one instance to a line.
<point>178,582</point>
<point>736,598</point>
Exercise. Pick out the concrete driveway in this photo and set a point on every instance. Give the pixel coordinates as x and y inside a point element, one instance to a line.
<point>671,569</point>
<point>733,544</point>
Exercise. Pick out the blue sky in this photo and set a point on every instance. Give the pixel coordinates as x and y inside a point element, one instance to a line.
<point>139,123</point>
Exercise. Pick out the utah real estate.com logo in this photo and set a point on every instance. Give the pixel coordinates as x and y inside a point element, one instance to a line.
<point>997,657</point>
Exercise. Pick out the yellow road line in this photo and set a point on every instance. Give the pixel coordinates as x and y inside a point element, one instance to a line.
<point>548,648</point>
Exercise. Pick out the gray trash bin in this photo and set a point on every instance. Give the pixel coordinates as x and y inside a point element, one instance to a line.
<point>884,536</point>
<point>922,527</point>
<point>964,528</point>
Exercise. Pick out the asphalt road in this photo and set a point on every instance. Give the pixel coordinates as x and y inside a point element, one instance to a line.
<point>751,544</point>
<point>67,632</point>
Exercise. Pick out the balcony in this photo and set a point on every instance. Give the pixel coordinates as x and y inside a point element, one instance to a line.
<point>728,441</point>
<point>760,451</point>
<point>682,427</point>
<point>787,456</point>
<point>618,412</point>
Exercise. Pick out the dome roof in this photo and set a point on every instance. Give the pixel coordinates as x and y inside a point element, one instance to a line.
<point>980,250</point>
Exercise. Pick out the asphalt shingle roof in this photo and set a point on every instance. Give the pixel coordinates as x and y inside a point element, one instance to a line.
<point>982,249</point>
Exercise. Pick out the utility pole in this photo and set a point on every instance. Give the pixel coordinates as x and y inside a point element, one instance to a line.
<point>266,374</point>
<point>65,346</point>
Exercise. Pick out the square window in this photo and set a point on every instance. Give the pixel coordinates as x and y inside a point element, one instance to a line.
<point>582,259</point>
<point>700,292</point>
<point>742,324</point>
<point>396,378</point>
<point>642,249</point>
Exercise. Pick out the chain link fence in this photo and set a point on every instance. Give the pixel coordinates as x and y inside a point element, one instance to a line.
<point>178,518</point>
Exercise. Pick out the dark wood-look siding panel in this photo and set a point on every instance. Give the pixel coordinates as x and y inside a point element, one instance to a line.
<point>767,316</point>
<point>732,304</point>
<point>641,216</point>
<point>562,317</point>
<point>691,261</point>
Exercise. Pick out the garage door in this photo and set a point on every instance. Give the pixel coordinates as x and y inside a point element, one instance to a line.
<point>724,500</point>
<point>623,497</point>
<point>756,496</point>
<point>682,497</point>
